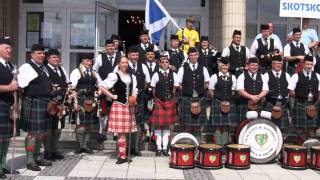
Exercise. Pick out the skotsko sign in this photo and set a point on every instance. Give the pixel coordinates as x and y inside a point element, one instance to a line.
<point>300,8</point>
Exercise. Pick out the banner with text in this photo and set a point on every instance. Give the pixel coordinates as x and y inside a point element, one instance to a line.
<point>300,8</point>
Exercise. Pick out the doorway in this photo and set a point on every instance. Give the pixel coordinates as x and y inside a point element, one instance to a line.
<point>131,23</point>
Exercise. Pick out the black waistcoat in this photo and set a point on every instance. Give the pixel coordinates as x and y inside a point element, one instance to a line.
<point>139,75</point>
<point>40,86</point>
<point>164,87</point>
<point>262,50</point>
<point>176,59</point>
<point>294,51</point>
<point>107,67</point>
<point>193,80</point>
<point>209,61</point>
<point>237,59</point>
<point>5,79</point>
<point>253,87</point>
<point>60,80</point>
<point>155,69</point>
<point>277,86</point>
<point>120,89</point>
<point>305,86</point>
<point>223,88</point>
<point>86,85</point>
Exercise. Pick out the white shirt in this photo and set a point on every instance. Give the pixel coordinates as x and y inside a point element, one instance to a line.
<point>226,51</point>
<point>75,76</point>
<point>214,80</point>
<point>3,61</point>
<point>155,48</point>
<point>113,78</point>
<point>287,49</point>
<point>27,74</point>
<point>155,78</point>
<point>205,73</point>
<point>153,64</point>
<point>98,61</point>
<point>255,46</point>
<point>273,36</point>
<point>266,76</point>
<point>63,70</point>
<point>294,80</point>
<point>177,50</point>
<point>240,82</point>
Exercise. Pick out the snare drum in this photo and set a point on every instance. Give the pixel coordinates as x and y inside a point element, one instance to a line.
<point>238,156</point>
<point>182,156</point>
<point>294,157</point>
<point>210,156</point>
<point>315,157</point>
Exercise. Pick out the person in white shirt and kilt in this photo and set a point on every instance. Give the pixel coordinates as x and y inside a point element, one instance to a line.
<point>164,84</point>
<point>304,87</point>
<point>276,100</point>
<point>193,81</point>
<point>223,115</point>
<point>60,79</point>
<point>7,87</point>
<point>120,86</point>
<point>34,79</point>
<point>84,81</point>
<point>251,87</point>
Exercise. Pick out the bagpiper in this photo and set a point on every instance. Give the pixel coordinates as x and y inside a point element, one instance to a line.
<point>144,45</point>
<point>175,55</point>
<point>208,56</point>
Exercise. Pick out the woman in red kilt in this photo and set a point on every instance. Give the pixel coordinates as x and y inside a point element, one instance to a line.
<point>164,85</point>
<point>121,88</point>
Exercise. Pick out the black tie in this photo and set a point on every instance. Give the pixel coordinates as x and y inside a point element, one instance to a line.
<point>8,66</point>
<point>308,75</point>
<point>88,72</point>
<point>56,71</point>
<point>134,66</point>
<point>111,60</point>
<point>193,67</point>
<point>206,52</point>
<point>277,75</point>
<point>145,47</point>
<point>150,65</point>
<point>297,44</point>
<point>252,76</point>
<point>266,43</point>
<point>224,77</point>
<point>237,47</point>
<point>165,74</point>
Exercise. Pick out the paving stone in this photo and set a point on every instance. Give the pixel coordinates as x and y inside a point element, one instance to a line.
<point>62,167</point>
<point>197,174</point>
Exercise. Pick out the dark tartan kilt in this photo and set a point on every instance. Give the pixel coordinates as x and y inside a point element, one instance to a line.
<point>105,105</point>
<point>142,112</point>
<point>299,116</point>
<point>34,115</point>
<point>243,108</point>
<point>283,122</point>
<point>164,113</point>
<point>53,123</point>
<point>217,118</point>
<point>186,118</point>
<point>6,124</point>
<point>85,117</point>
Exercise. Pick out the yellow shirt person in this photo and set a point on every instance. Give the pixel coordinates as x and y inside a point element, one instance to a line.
<point>188,35</point>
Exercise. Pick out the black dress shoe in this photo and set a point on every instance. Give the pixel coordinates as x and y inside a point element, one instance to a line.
<point>43,162</point>
<point>3,176</point>
<point>136,153</point>
<point>48,157</point>
<point>78,151</point>
<point>57,155</point>
<point>115,138</point>
<point>121,160</point>
<point>33,167</point>
<point>7,171</point>
<point>158,153</point>
<point>165,152</point>
<point>87,150</point>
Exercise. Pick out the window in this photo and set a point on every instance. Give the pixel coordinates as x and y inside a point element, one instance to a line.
<point>82,30</point>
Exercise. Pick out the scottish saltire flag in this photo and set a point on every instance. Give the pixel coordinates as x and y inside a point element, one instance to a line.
<point>156,19</point>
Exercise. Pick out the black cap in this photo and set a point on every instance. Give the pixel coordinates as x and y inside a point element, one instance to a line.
<point>276,58</point>
<point>236,32</point>
<point>144,32</point>
<point>308,58</point>
<point>5,40</point>
<point>264,27</point>
<point>86,56</point>
<point>204,38</point>
<point>114,37</point>
<point>108,41</point>
<point>253,60</point>
<point>53,52</point>
<point>174,36</point>
<point>37,47</point>
<point>192,50</point>
<point>296,30</point>
<point>133,49</point>
<point>224,60</point>
<point>149,49</point>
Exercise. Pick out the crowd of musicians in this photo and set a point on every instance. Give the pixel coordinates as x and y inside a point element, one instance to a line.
<point>140,92</point>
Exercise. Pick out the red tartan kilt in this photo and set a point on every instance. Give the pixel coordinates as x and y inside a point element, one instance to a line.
<point>164,113</point>
<point>121,118</point>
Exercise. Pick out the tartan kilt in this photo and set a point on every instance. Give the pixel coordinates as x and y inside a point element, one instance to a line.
<point>53,123</point>
<point>217,118</point>
<point>299,116</point>
<point>6,123</point>
<point>34,115</point>
<point>121,118</point>
<point>186,118</point>
<point>142,113</point>
<point>243,108</point>
<point>283,122</point>
<point>164,113</point>
<point>85,117</point>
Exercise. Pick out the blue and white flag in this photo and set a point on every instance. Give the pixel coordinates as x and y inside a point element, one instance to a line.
<point>156,19</point>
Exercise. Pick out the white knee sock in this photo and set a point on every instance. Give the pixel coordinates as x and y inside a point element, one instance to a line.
<point>165,139</point>
<point>159,139</point>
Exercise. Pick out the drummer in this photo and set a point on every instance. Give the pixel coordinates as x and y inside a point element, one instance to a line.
<point>278,93</point>
<point>222,87</point>
<point>305,87</point>
<point>251,87</point>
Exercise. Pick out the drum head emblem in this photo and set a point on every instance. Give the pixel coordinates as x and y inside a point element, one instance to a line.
<point>243,157</point>
<point>212,158</point>
<point>185,157</point>
<point>261,139</point>
<point>297,158</point>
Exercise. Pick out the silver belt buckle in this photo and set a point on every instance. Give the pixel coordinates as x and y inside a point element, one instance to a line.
<point>195,94</point>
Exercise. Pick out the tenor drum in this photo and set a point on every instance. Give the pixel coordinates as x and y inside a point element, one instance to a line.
<point>294,157</point>
<point>264,139</point>
<point>315,158</point>
<point>210,156</point>
<point>182,156</point>
<point>238,156</point>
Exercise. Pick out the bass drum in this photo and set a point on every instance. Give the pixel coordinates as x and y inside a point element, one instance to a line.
<point>264,138</point>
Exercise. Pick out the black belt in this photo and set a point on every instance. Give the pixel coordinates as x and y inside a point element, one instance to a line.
<point>304,100</point>
<point>275,100</point>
